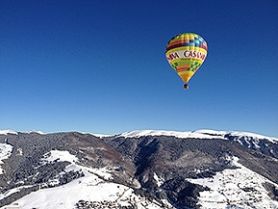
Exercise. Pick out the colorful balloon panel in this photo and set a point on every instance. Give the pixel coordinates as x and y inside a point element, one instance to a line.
<point>186,53</point>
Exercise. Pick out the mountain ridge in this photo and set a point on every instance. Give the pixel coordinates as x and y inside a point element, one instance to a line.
<point>144,170</point>
<point>154,132</point>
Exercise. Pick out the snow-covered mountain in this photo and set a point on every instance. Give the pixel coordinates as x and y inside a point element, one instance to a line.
<point>138,169</point>
<point>267,145</point>
<point>206,134</point>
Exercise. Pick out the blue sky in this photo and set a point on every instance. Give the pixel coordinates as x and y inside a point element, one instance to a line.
<point>99,66</point>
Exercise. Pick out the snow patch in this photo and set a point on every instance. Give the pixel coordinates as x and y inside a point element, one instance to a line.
<point>5,153</point>
<point>19,151</point>
<point>102,135</point>
<point>38,132</point>
<point>103,172</point>
<point>158,179</point>
<point>60,156</point>
<point>8,131</point>
<point>97,135</point>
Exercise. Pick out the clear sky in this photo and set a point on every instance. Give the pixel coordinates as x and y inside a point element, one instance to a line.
<point>99,66</point>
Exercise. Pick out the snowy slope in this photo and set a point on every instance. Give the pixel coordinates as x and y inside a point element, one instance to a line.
<point>240,188</point>
<point>95,188</point>
<point>89,188</point>
<point>186,134</point>
<point>252,135</point>
<point>60,155</point>
<point>195,134</point>
<point>5,132</point>
<point>238,135</point>
<point>65,156</point>
<point>5,152</point>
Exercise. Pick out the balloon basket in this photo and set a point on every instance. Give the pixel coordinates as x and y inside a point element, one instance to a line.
<point>186,86</point>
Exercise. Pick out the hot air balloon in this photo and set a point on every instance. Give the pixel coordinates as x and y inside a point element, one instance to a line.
<point>186,53</point>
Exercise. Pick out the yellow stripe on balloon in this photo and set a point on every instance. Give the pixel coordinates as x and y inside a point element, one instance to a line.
<point>186,75</point>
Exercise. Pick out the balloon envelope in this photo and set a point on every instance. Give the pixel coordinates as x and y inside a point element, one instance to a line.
<point>186,53</point>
